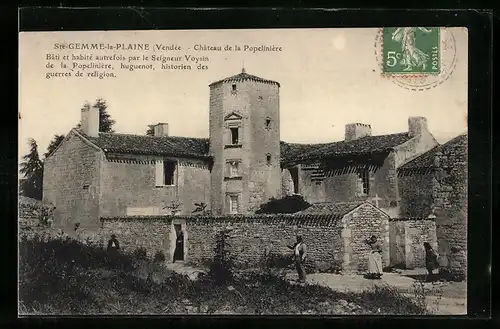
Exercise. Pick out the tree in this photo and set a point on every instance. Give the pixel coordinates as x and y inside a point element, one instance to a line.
<point>54,143</point>
<point>151,130</point>
<point>32,169</point>
<point>287,205</point>
<point>105,121</point>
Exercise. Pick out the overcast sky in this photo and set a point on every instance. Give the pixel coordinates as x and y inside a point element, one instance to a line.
<point>327,80</point>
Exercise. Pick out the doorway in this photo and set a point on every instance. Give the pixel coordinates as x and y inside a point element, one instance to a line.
<point>179,243</point>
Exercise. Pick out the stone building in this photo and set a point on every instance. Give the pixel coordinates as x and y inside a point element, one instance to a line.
<point>241,165</point>
<point>362,167</point>
<point>434,186</point>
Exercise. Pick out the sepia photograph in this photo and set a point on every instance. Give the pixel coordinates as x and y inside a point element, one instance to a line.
<point>243,172</point>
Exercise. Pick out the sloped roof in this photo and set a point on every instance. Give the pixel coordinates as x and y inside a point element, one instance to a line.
<point>291,151</point>
<point>192,147</point>
<point>334,208</point>
<point>140,144</point>
<point>364,145</point>
<point>243,76</point>
<point>426,160</point>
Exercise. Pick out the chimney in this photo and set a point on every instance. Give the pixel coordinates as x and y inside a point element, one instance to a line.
<point>355,131</point>
<point>417,126</point>
<point>161,130</point>
<point>90,121</point>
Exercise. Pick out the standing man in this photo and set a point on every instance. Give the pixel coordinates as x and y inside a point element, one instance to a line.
<point>300,250</point>
<point>113,245</point>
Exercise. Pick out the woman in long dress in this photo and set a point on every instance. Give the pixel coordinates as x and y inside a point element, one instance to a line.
<point>374,258</point>
<point>411,55</point>
<point>431,259</point>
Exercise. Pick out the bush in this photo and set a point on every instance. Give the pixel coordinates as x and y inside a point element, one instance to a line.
<point>287,205</point>
<point>221,269</point>
<point>140,254</point>
<point>159,256</point>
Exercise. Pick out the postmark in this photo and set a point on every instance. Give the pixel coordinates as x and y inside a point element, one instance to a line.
<point>416,58</point>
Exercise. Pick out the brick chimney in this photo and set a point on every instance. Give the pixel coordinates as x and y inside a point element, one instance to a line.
<point>90,121</point>
<point>416,126</point>
<point>161,130</point>
<point>354,131</point>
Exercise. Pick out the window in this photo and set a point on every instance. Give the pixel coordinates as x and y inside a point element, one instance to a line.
<point>268,159</point>
<point>233,168</point>
<point>168,172</point>
<point>294,172</point>
<point>234,135</point>
<point>165,172</point>
<point>268,123</point>
<point>364,177</point>
<point>234,87</point>
<point>233,204</point>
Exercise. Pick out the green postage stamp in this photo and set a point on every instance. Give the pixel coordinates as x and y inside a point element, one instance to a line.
<point>411,50</point>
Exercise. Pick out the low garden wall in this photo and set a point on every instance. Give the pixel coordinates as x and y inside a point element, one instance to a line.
<point>251,238</point>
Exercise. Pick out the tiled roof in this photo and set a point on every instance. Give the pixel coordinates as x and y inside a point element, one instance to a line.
<point>426,160</point>
<point>243,76</point>
<point>199,147</point>
<point>335,208</point>
<point>364,145</point>
<point>290,151</point>
<point>141,144</point>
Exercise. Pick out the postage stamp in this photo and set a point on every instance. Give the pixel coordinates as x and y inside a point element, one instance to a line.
<point>410,50</point>
<point>416,58</point>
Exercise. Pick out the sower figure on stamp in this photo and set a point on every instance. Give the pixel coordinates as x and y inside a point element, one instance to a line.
<point>374,258</point>
<point>300,252</point>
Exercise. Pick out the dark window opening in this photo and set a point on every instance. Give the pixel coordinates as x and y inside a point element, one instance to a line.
<point>365,181</point>
<point>268,123</point>
<point>234,87</point>
<point>268,159</point>
<point>294,172</point>
<point>234,136</point>
<point>168,172</point>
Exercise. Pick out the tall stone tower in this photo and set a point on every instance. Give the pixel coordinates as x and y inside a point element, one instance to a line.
<point>244,143</point>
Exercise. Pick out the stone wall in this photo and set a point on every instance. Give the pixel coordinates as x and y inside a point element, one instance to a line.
<point>360,225</point>
<point>407,237</point>
<point>328,237</point>
<point>342,184</point>
<point>130,185</point>
<point>71,182</point>
<point>416,195</point>
<point>450,197</point>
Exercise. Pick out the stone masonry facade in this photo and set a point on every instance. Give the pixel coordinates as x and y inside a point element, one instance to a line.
<point>332,242</point>
<point>72,182</point>
<point>450,207</point>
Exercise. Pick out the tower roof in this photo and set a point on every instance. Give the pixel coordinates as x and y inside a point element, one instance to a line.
<point>243,76</point>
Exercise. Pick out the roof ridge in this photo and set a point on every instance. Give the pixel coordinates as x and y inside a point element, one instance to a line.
<point>244,76</point>
<point>138,135</point>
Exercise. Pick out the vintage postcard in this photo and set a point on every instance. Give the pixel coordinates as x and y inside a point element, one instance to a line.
<point>276,171</point>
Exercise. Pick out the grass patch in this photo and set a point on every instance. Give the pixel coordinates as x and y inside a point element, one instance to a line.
<point>64,276</point>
